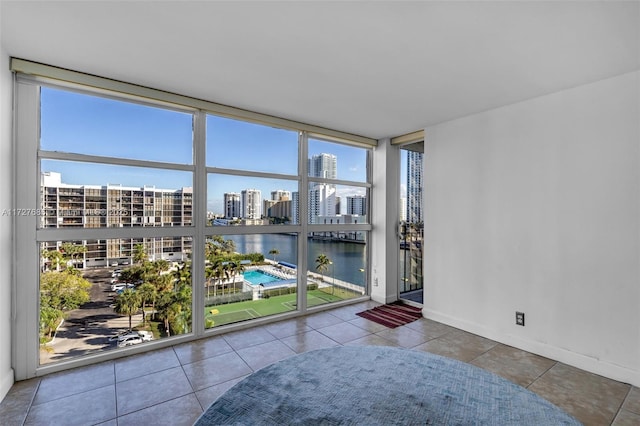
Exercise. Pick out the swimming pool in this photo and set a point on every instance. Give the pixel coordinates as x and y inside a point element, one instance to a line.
<point>259,277</point>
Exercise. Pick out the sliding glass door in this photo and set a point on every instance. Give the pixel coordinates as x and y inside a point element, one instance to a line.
<point>410,231</point>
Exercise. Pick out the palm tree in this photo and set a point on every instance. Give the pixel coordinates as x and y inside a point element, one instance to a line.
<point>183,273</point>
<point>148,294</point>
<point>139,254</point>
<point>274,252</point>
<point>229,246</point>
<point>181,310</point>
<point>161,265</point>
<point>209,273</point>
<point>166,310</point>
<point>212,272</point>
<point>235,268</point>
<point>127,303</point>
<point>174,308</point>
<point>322,264</point>
<point>219,274</point>
<point>164,282</point>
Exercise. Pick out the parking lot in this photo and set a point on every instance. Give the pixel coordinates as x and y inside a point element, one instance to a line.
<point>91,327</point>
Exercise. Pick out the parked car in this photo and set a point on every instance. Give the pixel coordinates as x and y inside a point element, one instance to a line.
<point>134,338</point>
<point>121,286</point>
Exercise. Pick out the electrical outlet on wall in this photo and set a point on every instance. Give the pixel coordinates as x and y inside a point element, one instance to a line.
<point>520,318</point>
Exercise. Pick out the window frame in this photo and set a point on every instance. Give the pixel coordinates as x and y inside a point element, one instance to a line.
<point>27,172</point>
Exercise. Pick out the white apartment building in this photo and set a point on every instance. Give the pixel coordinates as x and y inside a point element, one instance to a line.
<point>322,197</point>
<point>322,202</point>
<point>94,206</point>
<point>251,201</point>
<point>232,205</point>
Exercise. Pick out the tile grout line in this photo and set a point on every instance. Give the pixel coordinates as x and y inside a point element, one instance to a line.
<point>542,374</point>
<point>622,404</point>
<point>193,391</point>
<point>555,363</point>
<point>485,352</point>
<point>115,390</point>
<point>26,414</point>
<point>159,403</point>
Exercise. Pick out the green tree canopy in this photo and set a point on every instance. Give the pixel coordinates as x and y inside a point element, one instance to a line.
<point>73,251</point>
<point>60,292</point>
<point>55,258</point>
<point>63,290</point>
<point>139,254</point>
<point>174,308</point>
<point>148,294</point>
<point>127,303</point>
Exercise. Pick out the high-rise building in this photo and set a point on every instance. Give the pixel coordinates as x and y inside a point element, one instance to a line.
<point>295,208</point>
<point>232,205</point>
<point>280,211</point>
<point>322,202</point>
<point>414,187</point>
<point>357,204</point>
<point>323,166</point>
<point>97,206</point>
<point>280,195</point>
<point>251,202</point>
<point>322,196</point>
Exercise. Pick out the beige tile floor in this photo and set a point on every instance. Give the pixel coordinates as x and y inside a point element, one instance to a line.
<point>172,386</point>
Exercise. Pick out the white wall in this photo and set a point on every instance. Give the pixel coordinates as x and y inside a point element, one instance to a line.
<point>6,372</point>
<point>535,207</point>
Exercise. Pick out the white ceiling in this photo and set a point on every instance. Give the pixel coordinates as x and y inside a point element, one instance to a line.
<point>376,69</point>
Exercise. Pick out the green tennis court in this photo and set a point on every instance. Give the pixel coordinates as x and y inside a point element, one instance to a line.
<point>235,316</point>
<point>242,311</point>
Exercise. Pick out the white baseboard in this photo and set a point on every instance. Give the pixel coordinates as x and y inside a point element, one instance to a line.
<point>6,382</point>
<point>583,362</point>
<point>384,300</point>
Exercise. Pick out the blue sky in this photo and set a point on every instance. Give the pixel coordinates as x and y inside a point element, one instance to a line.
<point>78,123</point>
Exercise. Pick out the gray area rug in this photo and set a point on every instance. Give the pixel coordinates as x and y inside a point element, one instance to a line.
<point>371,385</point>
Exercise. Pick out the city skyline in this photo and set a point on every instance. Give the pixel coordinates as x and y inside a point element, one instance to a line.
<point>233,204</point>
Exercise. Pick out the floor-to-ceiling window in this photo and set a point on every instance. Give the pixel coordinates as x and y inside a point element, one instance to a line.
<point>115,177</point>
<point>337,216</point>
<point>148,221</point>
<point>252,178</point>
<point>410,284</point>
